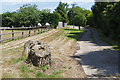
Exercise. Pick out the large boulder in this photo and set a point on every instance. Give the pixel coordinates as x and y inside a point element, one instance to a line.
<point>37,54</point>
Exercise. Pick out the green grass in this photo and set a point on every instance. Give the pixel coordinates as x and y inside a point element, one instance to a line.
<point>24,68</point>
<point>70,67</point>
<point>42,75</point>
<point>109,41</point>
<point>13,60</point>
<point>57,72</point>
<point>26,71</point>
<point>74,34</point>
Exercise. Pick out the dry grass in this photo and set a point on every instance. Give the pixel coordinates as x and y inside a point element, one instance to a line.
<point>61,44</point>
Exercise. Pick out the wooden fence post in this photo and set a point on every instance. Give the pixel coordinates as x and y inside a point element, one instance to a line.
<point>79,27</point>
<point>41,30</point>
<point>29,33</point>
<point>0,37</point>
<point>34,31</point>
<point>46,29</point>
<point>12,34</point>
<point>38,31</point>
<point>22,33</point>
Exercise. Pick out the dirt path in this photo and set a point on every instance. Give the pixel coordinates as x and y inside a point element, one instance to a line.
<point>98,58</point>
<point>61,49</point>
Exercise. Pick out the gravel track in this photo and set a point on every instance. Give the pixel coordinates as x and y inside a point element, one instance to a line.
<point>98,59</point>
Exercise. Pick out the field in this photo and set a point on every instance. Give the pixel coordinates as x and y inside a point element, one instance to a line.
<point>61,42</point>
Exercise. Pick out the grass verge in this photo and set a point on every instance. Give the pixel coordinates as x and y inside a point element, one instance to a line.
<point>109,41</point>
<point>73,34</point>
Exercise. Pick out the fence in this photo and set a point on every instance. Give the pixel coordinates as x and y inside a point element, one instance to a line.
<point>15,33</point>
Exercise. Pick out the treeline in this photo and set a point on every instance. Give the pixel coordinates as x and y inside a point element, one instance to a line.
<point>106,18</point>
<point>30,15</point>
<point>78,16</point>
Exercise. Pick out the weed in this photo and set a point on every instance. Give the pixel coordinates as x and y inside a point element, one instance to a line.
<point>109,41</point>
<point>25,75</point>
<point>24,68</point>
<point>44,68</point>
<point>42,75</point>
<point>74,34</point>
<point>69,67</point>
<point>35,68</point>
<point>47,66</point>
<point>31,70</point>
<point>64,67</point>
<point>13,60</point>
<point>57,72</point>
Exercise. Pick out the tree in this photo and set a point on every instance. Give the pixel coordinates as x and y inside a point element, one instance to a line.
<point>62,10</point>
<point>106,17</point>
<point>45,16</point>
<point>77,16</point>
<point>29,15</point>
<point>51,18</point>
<point>90,20</point>
<point>7,19</point>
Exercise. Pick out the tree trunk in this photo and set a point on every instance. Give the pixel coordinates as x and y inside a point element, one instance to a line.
<point>79,27</point>
<point>38,54</point>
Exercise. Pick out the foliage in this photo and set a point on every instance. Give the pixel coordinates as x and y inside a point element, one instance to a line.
<point>7,19</point>
<point>29,15</point>
<point>42,75</point>
<point>62,10</point>
<point>73,33</point>
<point>44,68</point>
<point>77,16</point>
<point>13,60</point>
<point>57,72</point>
<point>51,18</point>
<point>106,17</point>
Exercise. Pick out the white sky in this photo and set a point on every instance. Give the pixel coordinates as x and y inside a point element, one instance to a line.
<point>68,1</point>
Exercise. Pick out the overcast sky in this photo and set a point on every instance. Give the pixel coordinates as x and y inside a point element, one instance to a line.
<point>13,5</point>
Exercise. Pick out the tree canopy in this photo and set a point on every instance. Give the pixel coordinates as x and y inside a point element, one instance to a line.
<point>62,9</point>
<point>29,15</point>
<point>77,16</point>
<point>106,17</point>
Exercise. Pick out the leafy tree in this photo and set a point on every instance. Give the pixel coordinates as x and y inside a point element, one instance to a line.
<point>45,16</point>
<point>90,20</point>
<point>7,19</point>
<point>106,17</point>
<point>54,19</point>
<point>51,18</point>
<point>62,10</point>
<point>77,16</point>
<point>29,15</point>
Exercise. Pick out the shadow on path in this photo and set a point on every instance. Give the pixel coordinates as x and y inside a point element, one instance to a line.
<point>97,58</point>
